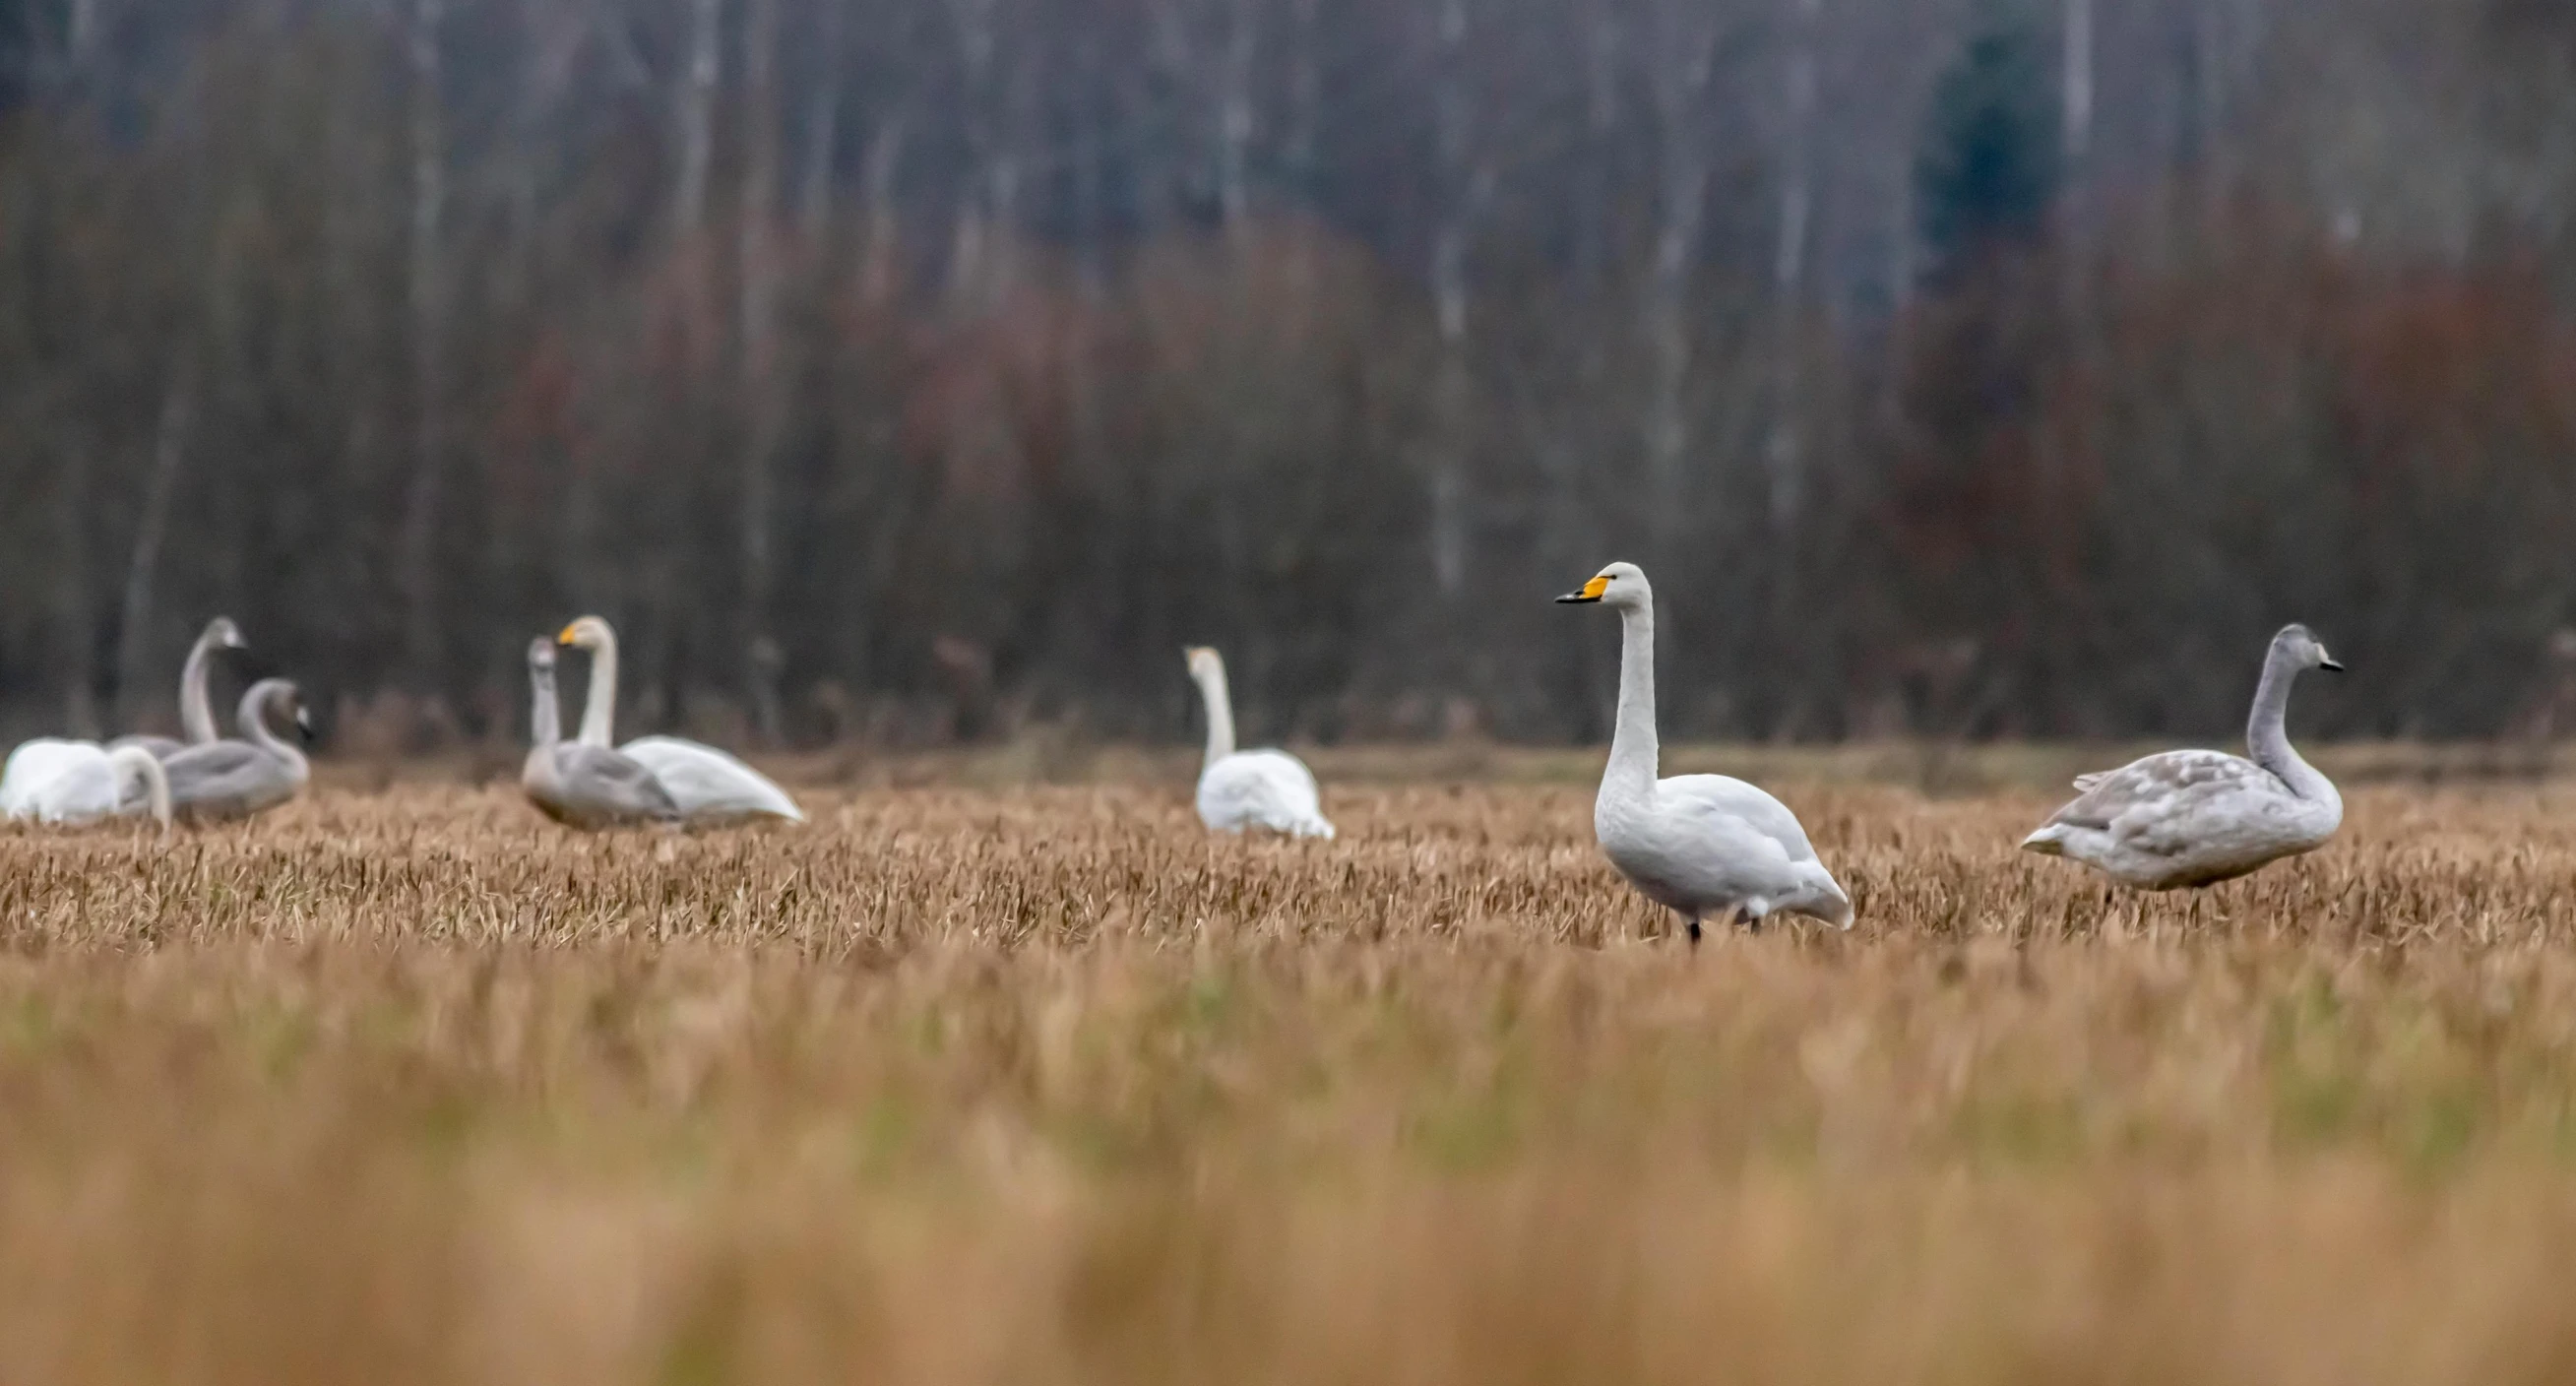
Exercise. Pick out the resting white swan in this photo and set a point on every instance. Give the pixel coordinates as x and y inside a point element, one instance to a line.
<point>196,712</point>
<point>1248,789</point>
<point>1698,845</point>
<point>708,785</point>
<point>234,779</point>
<point>584,786</point>
<point>57,781</point>
<point>2193,818</point>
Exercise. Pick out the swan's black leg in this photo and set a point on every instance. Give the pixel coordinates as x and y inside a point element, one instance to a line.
<point>1694,930</point>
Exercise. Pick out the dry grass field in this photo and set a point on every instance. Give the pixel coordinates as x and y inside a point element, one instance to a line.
<point>1042,1085</point>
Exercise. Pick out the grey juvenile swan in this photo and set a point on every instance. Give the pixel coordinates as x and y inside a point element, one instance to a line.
<point>708,785</point>
<point>2194,818</point>
<point>225,780</point>
<point>196,713</point>
<point>1698,845</point>
<point>578,784</point>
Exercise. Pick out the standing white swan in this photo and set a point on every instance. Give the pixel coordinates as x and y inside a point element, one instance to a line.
<point>707,784</point>
<point>75,782</point>
<point>584,786</point>
<point>1248,789</point>
<point>2194,818</point>
<point>1695,844</point>
<point>196,712</point>
<point>234,779</point>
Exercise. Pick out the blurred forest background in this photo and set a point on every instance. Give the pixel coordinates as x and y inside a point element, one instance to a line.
<point>918,368</point>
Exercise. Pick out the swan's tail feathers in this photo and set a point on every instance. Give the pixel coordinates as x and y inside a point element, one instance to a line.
<point>2049,841</point>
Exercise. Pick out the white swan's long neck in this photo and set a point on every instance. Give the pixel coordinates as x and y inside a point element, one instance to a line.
<point>2267,735</point>
<point>1220,714</point>
<point>254,728</point>
<point>545,721</point>
<point>196,714</point>
<point>156,781</point>
<point>1634,754</point>
<point>599,705</point>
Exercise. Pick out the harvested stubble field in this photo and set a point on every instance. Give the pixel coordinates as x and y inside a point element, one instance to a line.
<point>1044,1085</point>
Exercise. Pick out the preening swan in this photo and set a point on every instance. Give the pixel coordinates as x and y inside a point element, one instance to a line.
<point>583,785</point>
<point>235,779</point>
<point>1699,845</point>
<point>57,781</point>
<point>1248,789</point>
<point>707,784</point>
<point>196,714</point>
<point>2193,818</point>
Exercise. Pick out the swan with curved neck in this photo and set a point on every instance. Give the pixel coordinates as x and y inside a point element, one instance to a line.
<point>1699,845</point>
<point>2194,818</point>
<point>1240,790</point>
<point>196,712</point>
<point>237,778</point>
<point>574,782</point>
<point>708,785</point>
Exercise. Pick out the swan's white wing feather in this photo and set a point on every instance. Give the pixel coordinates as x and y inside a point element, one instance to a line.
<point>707,783</point>
<point>1262,789</point>
<point>1727,795</point>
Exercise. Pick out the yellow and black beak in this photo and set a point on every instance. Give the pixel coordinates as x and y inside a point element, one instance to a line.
<point>564,636</point>
<point>1591,591</point>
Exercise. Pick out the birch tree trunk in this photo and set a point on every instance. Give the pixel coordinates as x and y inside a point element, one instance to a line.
<point>1679,76</point>
<point>134,623</point>
<point>1468,180</point>
<point>428,328</point>
<point>70,595</point>
<point>757,275</point>
<point>822,131</point>
<point>1785,452</point>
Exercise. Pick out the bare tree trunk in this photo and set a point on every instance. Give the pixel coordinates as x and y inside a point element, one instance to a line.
<point>697,120</point>
<point>758,274</point>
<point>884,241</point>
<point>1680,73</point>
<point>1469,178</point>
<point>1601,122</point>
<point>134,624</point>
<point>71,585</point>
<point>822,131</point>
<point>969,275</point>
<point>1234,120</point>
<point>1785,451</point>
<point>428,323</point>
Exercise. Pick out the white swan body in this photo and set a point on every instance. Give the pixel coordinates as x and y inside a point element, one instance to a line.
<point>2194,818</point>
<point>75,782</point>
<point>1698,845</point>
<point>707,785</point>
<point>1241,790</point>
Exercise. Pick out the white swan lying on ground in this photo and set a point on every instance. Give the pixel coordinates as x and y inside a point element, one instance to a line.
<point>75,782</point>
<point>1248,789</point>
<point>708,785</point>
<point>1699,845</point>
<point>2194,818</point>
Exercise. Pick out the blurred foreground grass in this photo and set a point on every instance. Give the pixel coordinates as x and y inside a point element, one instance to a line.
<point>1044,1085</point>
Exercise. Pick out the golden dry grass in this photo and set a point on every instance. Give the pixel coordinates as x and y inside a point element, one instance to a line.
<point>1045,1085</point>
